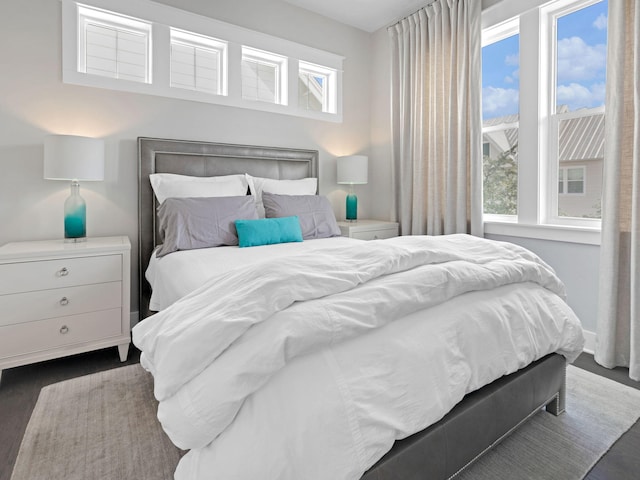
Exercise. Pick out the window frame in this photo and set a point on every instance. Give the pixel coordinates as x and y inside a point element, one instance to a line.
<point>496,33</point>
<point>329,92</point>
<point>536,199</point>
<point>197,41</point>
<point>281,68</point>
<point>89,15</point>
<point>565,180</point>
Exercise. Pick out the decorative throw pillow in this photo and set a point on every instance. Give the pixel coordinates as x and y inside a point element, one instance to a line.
<point>268,231</point>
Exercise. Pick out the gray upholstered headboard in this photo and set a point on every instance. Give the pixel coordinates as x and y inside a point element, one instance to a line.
<point>204,159</point>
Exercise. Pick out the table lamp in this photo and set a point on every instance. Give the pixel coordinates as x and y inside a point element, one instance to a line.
<point>352,170</point>
<point>69,157</point>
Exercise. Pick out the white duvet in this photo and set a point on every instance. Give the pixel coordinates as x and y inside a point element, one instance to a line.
<point>173,276</point>
<point>311,367</point>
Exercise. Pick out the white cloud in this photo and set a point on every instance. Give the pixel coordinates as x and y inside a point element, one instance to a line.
<point>513,78</point>
<point>578,61</point>
<point>601,22</point>
<point>512,60</point>
<point>580,96</point>
<point>499,101</point>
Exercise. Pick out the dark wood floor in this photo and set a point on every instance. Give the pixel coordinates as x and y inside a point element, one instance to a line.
<point>20,388</point>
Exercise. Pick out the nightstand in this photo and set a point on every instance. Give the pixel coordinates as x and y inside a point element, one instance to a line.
<point>58,299</point>
<point>368,229</point>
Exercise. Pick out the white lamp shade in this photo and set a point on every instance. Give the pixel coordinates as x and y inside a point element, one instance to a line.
<point>353,169</point>
<point>69,157</point>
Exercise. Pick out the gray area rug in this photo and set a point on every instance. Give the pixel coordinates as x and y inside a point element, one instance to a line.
<point>104,426</point>
<point>100,426</point>
<point>598,412</point>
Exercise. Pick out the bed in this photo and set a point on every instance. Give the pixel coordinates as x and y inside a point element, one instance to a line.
<point>451,440</point>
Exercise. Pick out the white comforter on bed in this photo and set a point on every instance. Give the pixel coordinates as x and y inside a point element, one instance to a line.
<point>311,367</point>
<point>173,276</point>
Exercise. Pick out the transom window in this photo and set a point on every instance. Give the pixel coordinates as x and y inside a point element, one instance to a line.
<point>316,87</point>
<point>264,76</point>
<point>196,58</point>
<point>113,45</point>
<point>198,62</point>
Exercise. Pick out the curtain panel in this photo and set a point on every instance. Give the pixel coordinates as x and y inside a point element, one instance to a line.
<point>436,119</point>
<point>618,328</point>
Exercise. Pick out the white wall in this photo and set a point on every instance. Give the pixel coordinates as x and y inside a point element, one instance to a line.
<point>577,265</point>
<point>34,102</point>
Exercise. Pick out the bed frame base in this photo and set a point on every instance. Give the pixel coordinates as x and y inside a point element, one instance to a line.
<point>474,426</point>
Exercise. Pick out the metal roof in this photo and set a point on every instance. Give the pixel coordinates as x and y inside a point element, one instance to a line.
<point>581,138</point>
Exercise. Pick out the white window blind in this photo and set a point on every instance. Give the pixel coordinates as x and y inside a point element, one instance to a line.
<point>113,45</point>
<point>263,76</point>
<point>198,62</point>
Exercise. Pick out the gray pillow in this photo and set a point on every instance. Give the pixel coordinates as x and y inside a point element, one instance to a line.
<point>314,212</point>
<point>189,223</point>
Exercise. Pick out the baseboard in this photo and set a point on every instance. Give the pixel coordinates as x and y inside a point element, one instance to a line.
<point>589,342</point>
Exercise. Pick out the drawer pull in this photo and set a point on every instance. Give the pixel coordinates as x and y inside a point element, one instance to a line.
<point>64,301</point>
<point>64,329</point>
<point>63,272</point>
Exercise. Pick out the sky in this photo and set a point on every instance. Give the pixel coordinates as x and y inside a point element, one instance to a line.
<point>582,38</point>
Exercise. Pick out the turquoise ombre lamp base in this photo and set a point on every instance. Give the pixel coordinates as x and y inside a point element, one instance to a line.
<point>75,216</point>
<point>352,208</point>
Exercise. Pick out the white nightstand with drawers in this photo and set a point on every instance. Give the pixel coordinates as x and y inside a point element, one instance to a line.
<point>368,229</point>
<point>58,299</point>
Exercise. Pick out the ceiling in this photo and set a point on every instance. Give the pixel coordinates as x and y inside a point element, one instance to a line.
<point>367,15</point>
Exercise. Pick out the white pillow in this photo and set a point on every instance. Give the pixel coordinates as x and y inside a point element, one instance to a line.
<point>171,185</point>
<point>304,186</point>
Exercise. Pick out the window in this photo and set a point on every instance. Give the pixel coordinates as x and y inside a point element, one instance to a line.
<point>198,62</point>
<point>550,62</point>
<point>500,107</point>
<point>113,45</point>
<point>576,126</point>
<point>571,180</point>
<point>264,76</point>
<point>316,88</point>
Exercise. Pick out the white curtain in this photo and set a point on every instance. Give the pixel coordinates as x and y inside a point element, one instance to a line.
<point>618,331</point>
<point>436,119</point>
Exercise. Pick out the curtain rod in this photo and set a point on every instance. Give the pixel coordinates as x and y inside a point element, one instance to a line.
<point>428,4</point>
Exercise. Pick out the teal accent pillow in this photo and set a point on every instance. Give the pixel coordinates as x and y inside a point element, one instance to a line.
<point>267,231</point>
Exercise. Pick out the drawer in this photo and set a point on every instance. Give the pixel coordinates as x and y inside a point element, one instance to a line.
<point>375,234</point>
<point>59,302</point>
<point>46,334</point>
<point>66,272</point>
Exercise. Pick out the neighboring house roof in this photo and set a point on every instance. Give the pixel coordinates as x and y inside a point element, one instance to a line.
<point>581,138</point>
<point>503,139</point>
